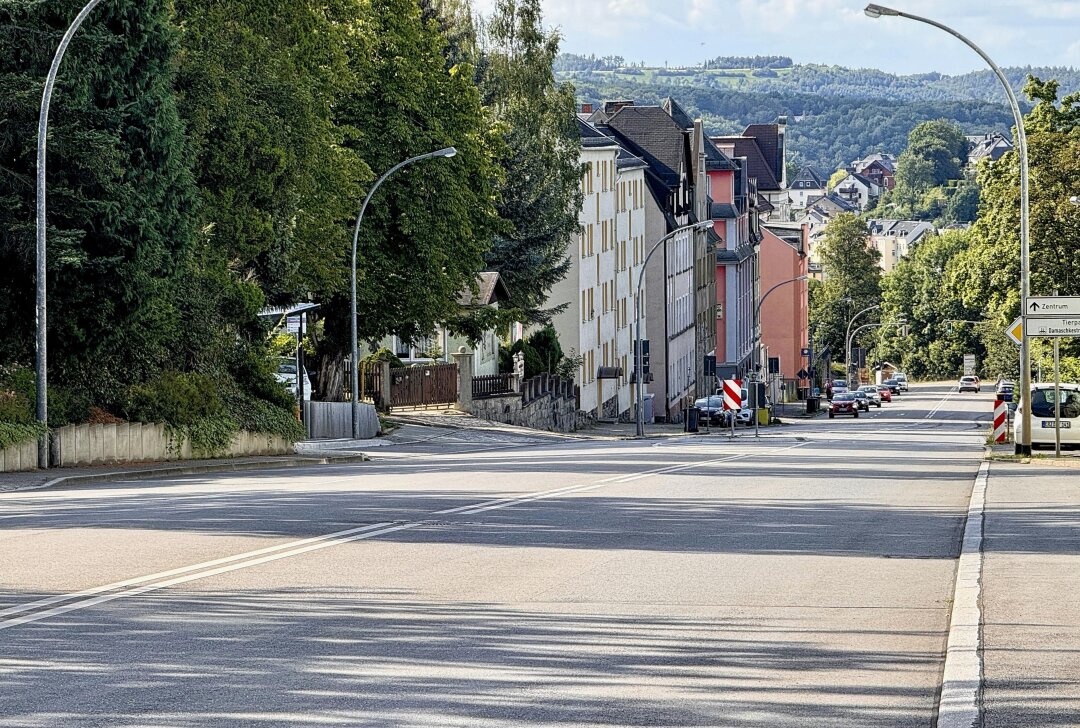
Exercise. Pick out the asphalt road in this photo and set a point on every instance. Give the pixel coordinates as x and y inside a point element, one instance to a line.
<point>798,579</point>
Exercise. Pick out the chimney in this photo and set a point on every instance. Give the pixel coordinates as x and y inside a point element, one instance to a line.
<point>781,151</point>
<point>611,107</point>
<point>586,108</point>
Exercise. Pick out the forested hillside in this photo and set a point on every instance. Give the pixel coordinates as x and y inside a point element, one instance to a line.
<point>835,114</point>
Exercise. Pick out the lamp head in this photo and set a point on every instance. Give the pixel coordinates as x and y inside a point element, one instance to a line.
<point>876,11</point>
<point>448,152</point>
<point>1075,200</point>
<point>703,225</point>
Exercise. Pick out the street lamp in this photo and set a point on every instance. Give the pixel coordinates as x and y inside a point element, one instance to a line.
<point>41,363</point>
<point>638,359</point>
<point>447,153</point>
<point>1074,200</point>
<point>847,339</point>
<point>876,11</point>
<point>757,333</point>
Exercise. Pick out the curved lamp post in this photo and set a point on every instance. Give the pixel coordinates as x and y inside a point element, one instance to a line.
<point>876,11</point>
<point>757,333</point>
<point>704,225</point>
<point>447,153</point>
<point>41,364</point>
<point>847,339</point>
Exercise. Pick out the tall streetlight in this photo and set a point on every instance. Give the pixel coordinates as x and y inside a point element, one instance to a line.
<point>876,11</point>
<point>638,359</point>
<point>757,336</point>
<point>853,334</point>
<point>847,339</point>
<point>447,153</point>
<point>41,364</point>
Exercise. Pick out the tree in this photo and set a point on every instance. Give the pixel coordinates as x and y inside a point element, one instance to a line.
<point>837,177</point>
<point>538,193</point>
<point>428,227</point>
<point>988,272</point>
<point>852,280</point>
<point>121,191</point>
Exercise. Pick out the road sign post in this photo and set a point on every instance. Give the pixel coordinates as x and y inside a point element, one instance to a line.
<point>733,400</point>
<point>1001,411</point>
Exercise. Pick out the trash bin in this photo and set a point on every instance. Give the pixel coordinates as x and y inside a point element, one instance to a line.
<point>813,404</point>
<point>690,422</point>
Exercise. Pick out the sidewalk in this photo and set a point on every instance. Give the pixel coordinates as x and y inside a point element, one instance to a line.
<point>1031,595</point>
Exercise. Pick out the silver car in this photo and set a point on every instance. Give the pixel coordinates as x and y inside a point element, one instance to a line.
<point>872,393</point>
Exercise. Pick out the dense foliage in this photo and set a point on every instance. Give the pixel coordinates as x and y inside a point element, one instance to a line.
<point>208,159</point>
<point>974,275</point>
<point>835,114</point>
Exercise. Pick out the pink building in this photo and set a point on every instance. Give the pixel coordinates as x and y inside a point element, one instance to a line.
<point>785,313</point>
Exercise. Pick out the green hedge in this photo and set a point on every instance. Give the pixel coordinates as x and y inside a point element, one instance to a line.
<point>12,433</point>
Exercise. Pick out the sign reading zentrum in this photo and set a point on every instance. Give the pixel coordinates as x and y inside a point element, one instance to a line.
<point>1053,306</point>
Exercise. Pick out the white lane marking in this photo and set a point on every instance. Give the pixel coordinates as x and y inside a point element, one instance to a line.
<point>961,681</point>
<point>197,575</point>
<point>97,595</point>
<point>182,570</point>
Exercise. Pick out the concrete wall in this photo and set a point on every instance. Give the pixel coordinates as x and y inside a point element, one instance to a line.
<point>554,414</point>
<point>334,420</point>
<point>135,442</point>
<point>19,457</point>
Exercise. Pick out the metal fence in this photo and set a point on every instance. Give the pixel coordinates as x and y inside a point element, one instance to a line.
<point>494,385</point>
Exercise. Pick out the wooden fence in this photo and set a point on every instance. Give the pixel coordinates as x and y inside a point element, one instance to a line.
<point>433,384</point>
<point>494,385</point>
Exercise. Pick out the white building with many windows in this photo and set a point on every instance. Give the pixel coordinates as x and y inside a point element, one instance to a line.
<point>597,325</point>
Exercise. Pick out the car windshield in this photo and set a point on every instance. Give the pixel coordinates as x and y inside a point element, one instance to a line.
<point>839,383</point>
<point>859,395</point>
<point>1042,403</point>
<point>287,367</point>
<point>844,397</point>
<point>891,381</point>
<point>967,379</point>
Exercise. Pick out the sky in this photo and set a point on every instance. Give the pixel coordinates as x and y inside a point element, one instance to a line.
<point>686,32</point>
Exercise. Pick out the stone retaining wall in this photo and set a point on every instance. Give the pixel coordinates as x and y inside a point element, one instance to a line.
<point>554,414</point>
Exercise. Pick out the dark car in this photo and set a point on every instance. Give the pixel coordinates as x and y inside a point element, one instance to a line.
<point>1004,390</point>
<point>893,385</point>
<point>862,400</point>
<point>843,404</point>
<point>710,409</point>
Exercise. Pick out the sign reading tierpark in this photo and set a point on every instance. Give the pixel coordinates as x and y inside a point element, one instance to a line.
<point>1057,326</point>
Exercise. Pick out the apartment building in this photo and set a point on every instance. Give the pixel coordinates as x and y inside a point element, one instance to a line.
<point>605,261</point>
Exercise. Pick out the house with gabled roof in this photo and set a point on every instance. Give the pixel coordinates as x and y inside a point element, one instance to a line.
<point>808,183</point>
<point>763,147</point>
<point>858,190</point>
<point>895,239</point>
<point>982,146</point>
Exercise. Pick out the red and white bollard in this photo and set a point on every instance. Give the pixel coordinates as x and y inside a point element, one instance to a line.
<point>1001,412</point>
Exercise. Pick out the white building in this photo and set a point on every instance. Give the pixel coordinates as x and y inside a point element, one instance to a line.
<point>858,190</point>
<point>605,261</point>
<point>808,184</point>
<point>894,239</point>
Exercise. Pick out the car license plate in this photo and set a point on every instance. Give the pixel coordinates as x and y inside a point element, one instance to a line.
<point>1049,424</point>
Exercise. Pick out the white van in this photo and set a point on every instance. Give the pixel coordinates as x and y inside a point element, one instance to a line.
<point>1042,416</point>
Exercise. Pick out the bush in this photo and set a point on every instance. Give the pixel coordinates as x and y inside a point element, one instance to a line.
<point>176,398</point>
<point>15,434</point>
<point>383,354</point>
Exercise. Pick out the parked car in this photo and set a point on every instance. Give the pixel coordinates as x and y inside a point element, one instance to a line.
<point>885,392</point>
<point>710,409</point>
<point>873,393</point>
<point>286,374</point>
<point>862,400</point>
<point>1042,416</point>
<point>1004,390</point>
<point>968,384</point>
<point>843,404</point>
<point>893,385</point>
<point>901,379</point>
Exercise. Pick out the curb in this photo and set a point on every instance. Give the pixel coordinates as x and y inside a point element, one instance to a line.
<point>962,677</point>
<point>189,470</point>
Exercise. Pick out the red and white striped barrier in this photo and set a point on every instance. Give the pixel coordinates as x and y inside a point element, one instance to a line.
<point>1001,411</point>
<point>732,394</point>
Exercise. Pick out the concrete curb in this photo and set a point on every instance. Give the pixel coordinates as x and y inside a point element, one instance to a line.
<point>962,678</point>
<point>189,470</point>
